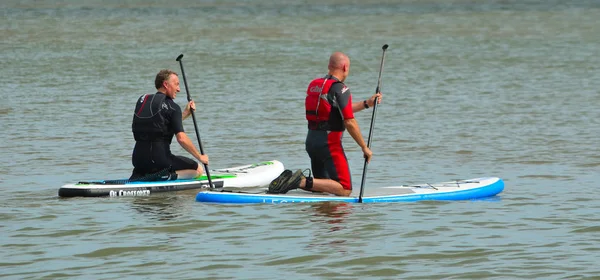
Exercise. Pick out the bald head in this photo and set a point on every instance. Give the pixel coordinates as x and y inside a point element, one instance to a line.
<point>339,65</point>
<point>338,60</point>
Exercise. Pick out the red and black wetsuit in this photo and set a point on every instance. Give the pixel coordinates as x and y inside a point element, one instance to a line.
<point>328,103</point>
<point>157,118</point>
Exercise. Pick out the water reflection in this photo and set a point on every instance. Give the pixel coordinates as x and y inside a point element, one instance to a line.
<point>330,221</point>
<point>164,207</point>
<point>332,213</point>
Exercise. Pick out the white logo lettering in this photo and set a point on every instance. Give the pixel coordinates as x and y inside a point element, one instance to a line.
<point>129,193</point>
<point>316,89</point>
<point>344,89</point>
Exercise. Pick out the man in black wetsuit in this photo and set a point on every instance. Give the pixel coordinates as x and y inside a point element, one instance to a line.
<point>157,118</point>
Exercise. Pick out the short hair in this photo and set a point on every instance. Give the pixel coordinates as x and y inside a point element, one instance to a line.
<point>163,75</point>
<point>337,60</point>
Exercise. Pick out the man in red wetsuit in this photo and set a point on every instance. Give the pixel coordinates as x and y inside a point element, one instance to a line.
<point>329,111</point>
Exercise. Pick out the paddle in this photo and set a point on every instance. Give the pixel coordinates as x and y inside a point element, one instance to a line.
<point>189,98</point>
<point>362,183</point>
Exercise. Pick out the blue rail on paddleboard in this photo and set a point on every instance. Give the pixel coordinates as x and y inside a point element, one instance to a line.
<point>465,194</point>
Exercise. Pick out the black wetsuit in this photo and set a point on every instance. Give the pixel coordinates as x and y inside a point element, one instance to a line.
<point>157,118</point>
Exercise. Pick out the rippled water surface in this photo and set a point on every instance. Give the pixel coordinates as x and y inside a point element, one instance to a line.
<point>471,88</point>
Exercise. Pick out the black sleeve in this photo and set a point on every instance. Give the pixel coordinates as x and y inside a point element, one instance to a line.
<point>342,94</point>
<point>176,124</point>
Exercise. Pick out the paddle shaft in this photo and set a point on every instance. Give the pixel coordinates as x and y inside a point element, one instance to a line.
<point>371,128</point>
<point>189,98</point>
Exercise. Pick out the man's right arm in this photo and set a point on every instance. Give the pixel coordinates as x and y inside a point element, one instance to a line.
<point>344,101</point>
<point>177,127</point>
<point>188,145</point>
<point>354,131</point>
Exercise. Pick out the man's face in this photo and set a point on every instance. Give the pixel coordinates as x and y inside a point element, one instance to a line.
<point>348,69</point>
<point>172,86</point>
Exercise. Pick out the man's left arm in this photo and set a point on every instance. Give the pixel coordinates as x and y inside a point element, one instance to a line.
<point>191,106</point>
<point>367,103</point>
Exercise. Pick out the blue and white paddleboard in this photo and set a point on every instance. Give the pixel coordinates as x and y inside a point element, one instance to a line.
<point>455,190</point>
<point>245,176</point>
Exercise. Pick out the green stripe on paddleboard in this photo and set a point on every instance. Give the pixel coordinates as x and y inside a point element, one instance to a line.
<point>225,176</point>
<point>201,178</point>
